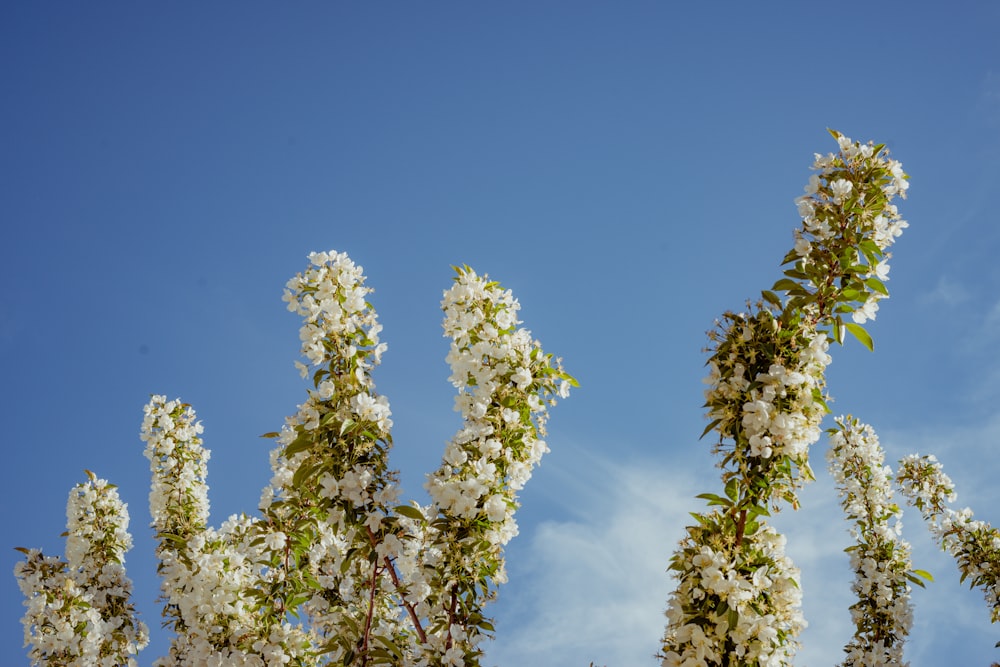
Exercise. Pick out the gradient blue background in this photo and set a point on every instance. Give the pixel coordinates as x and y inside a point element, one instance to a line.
<point>628,169</point>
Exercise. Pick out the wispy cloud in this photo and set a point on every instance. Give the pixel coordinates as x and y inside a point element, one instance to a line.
<point>993,318</point>
<point>594,587</point>
<point>947,292</point>
<point>988,105</point>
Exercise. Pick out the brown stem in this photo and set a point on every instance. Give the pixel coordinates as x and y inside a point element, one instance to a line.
<point>451,615</point>
<point>371,613</point>
<point>288,550</point>
<point>740,527</point>
<point>410,611</point>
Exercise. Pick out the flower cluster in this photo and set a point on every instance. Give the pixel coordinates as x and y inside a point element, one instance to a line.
<point>210,577</point>
<point>738,593</point>
<point>79,613</point>
<point>737,602</point>
<point>880,558</point>
<point>370,580</point>
<point>506,383</point>
<point>178,497</point>
<point>765,399</point>
<point>840,257</point>
<point>331,298</point>
<point>340,435</point>
<point>332,532</point>
<point>343,423</point>
<point>974,544</point>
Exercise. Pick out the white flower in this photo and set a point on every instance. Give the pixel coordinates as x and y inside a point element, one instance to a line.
<point>275,541</point>
<point>882,270</point>
<point>880,559</point>
<point>521,378</point>
<point>841,189</point>
<point>812,187</point>
<point>495,508</point>
<point>866,311</point>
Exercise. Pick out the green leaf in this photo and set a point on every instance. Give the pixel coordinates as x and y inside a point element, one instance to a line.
<point>877,285</point>
<point>714,499</point>
<point>733,489</point>
<point>792,256</point>
<point>300,444</point>
<point>292,604</point>
<point>838,330</point>
<point>859,332</point>
<point>380,656</point>
<point>923,573</point>
<point>389,644</point>
<point>771,297</point>
<point>410,512</point>
<point>303,473</point>
<point>702,520</point>
<point>176,539</point>
<point>270,434</point>
<point>709,428</point>
<point>733,617</point>
<point>870,248</point>
<point>786,285</point>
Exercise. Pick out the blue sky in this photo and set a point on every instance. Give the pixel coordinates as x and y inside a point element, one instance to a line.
<point>628,169</point>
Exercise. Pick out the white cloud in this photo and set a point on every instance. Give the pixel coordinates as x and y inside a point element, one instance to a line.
<point>948,292</point>
<point>993,317</point>
<point>817,536</point>
<point>989,98</point>
<point>595,585</point>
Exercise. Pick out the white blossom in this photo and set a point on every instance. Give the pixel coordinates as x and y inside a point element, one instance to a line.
<point>881,558</point>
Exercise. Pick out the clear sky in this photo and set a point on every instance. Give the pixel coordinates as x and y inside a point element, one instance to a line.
<point>627,168</point>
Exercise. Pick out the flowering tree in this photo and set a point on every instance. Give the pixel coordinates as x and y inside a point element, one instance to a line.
<point>335,570</point>
<point>737,602</point>
<point>738,598</point>
<point>974,544</point>
<point>880,558</point>
<point>78,609</point>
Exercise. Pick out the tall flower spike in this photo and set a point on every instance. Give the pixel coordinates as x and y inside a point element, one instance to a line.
<point>178,497</point>
<point>506,383</point>
<point>839,263</point>
<point>974,544</point>
<point>880,558</point>
<point>367,581</point>
<point>329,510</point>
<point>79,610</point>
<point>765,401</point>
<point>209,577</point>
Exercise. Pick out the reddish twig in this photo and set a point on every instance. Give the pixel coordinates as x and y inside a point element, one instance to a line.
<point>410,611</point>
